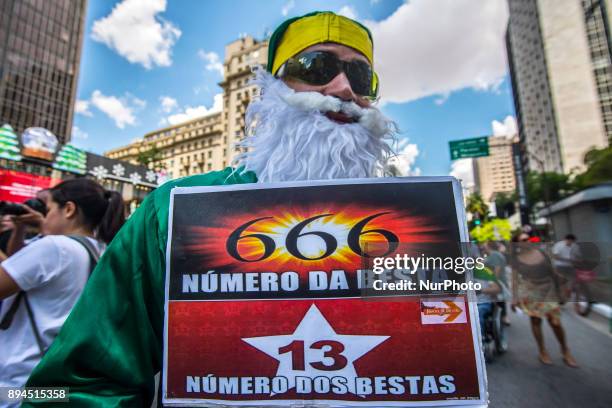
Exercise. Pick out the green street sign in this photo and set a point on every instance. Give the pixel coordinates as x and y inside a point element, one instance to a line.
<point>476,147</point>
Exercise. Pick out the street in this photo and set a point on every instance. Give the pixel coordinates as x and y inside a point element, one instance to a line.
<point>518,379</point>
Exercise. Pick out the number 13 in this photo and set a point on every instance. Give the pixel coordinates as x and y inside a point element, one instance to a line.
<point>296,348</point>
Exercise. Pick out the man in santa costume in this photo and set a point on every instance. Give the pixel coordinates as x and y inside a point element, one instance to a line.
<point>312,121</point>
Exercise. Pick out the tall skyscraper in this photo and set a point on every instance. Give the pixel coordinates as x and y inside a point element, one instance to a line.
<point>40,52</point>
<point>560,67</point>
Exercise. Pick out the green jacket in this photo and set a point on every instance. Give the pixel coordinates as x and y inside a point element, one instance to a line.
<point>110,347</point>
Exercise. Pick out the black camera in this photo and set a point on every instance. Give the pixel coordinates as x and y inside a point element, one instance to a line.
<point>8,208</point>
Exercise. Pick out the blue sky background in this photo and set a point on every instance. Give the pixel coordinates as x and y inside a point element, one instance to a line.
<point>466,86</point>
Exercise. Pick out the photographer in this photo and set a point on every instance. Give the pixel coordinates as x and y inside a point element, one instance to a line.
<point>40,284</point>
<point>6,230</point>
<point>25,219</point>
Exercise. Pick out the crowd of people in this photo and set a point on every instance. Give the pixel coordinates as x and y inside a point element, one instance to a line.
<point>534,278</point>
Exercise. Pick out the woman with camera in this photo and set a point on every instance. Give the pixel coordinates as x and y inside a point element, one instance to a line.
<point>40,284</point>
<point>21,223</point>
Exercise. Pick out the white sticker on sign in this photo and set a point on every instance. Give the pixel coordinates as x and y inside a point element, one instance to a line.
<point>443,311</point>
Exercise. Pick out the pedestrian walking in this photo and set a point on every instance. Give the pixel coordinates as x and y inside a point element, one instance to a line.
<point>537,292</point>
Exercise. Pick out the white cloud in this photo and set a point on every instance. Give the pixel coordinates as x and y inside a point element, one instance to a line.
<point>118,109</point>
<point>374,2</point>
<point>403,162</point>
<point>190,112</point>
<point>464,171</point>
<point>348,11</point>
<point>287,7</point>
<point>78,133</point>
<point>431,47</point>
<point>508,128</point>
<point>139,103</point>
<point>82,108</point>
<point>213,62</point>
<point>168,104</point>
<point>135,31</point>
<point>199,89</point>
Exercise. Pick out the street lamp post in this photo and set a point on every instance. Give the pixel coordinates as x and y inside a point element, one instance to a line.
<point>520,183</point>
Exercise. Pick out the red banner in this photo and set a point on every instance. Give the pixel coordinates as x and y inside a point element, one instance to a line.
<point>356,352</point>
<point>17,187</point>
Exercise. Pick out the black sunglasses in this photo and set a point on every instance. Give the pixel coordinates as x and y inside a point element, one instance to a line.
<point>320,67</point>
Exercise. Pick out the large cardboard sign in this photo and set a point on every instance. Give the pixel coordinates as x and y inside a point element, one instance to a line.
<point>265,305</point>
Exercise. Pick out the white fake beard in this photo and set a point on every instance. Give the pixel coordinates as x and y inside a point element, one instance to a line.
<point>289,138</point>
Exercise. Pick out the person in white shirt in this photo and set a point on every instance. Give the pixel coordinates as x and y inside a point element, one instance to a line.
<point>40,284</point>
<point>565,255</point>
<point>26,227</point>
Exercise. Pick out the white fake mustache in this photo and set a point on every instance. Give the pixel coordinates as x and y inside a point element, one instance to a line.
<point>370,118</point>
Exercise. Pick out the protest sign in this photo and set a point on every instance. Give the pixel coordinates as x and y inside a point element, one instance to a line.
<point>266,302</point>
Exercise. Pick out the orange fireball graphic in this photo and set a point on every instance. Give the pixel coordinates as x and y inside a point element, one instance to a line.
<point>298,239</point>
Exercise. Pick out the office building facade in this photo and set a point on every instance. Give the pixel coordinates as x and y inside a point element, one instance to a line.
<point>191,147</point>
<point>494,173</point>
<point>206,143</point>
<point>40,52</point>
<point>559,59</point>
<point>240,56</point>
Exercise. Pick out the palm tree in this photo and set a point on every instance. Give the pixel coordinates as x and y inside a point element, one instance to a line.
<point>477,207</point>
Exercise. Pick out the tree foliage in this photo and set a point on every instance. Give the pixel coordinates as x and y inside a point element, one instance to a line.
<point>494,230</point>
<point>599,168</point>
<point>149,156</point>
<point>478,208</point>
<point>505,204</point>
<point>548,187</point>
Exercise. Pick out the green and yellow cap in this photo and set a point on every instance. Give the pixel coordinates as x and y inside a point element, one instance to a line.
<point>298,33</point>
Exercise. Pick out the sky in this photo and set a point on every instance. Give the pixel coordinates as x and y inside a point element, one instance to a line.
<point>442,66</point>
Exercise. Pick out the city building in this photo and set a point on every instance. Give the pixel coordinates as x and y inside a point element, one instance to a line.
<point>560,68</point>
<point>240,56</point>
<point>40,52</point>
<point>494,173</point>
<point>187,148</point>
<point>206,143</point>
